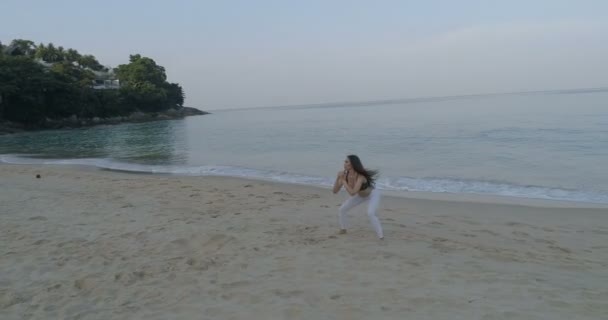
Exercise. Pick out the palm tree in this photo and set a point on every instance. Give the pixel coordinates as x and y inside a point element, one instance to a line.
<point>60,53</point>
<point>72,55</point>
<point>20,47</point>
<point>51,53</point>
<point>41,51</point>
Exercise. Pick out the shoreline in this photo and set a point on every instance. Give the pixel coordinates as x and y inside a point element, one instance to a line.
<point>80,242</point>
<point>413,195</point>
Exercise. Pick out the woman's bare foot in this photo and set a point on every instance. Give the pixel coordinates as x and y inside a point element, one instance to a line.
<point>342,231</point>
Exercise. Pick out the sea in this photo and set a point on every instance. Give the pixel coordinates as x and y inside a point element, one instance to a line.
<point>541,145</point>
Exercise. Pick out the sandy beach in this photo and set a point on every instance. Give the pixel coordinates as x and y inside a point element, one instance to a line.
<point>79,243</point>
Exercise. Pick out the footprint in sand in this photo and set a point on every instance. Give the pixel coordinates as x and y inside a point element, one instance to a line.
<point>85,284</point>
<point>520,234</point>
<point>38,218</point>
<point>10,298</point>
<point>236,284</point>
<point>287,293</point>
<point>129,278</point>
<point>201,264</point>
<point>52,288</point>
<point>562,249</point>
<point>543,241</point>
<point>488,232</point>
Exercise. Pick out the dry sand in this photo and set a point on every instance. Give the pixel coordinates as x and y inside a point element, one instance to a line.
<point>88,244</point>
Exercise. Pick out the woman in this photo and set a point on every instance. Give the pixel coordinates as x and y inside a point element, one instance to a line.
<point>359,183</point>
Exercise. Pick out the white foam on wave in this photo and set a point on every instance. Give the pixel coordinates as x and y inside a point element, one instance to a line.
<point>447,185</point>
<point>439,185</point>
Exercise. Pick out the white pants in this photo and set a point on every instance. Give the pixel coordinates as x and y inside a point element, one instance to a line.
<point>353,201</point>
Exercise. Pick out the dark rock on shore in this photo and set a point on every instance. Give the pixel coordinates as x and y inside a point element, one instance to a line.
<point>7,127</point>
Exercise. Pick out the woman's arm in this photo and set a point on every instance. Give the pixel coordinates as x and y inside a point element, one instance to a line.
<point>338,184</point>
<point>354,190</point>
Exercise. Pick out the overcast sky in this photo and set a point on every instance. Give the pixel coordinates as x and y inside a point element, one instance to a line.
<point>237,54</point>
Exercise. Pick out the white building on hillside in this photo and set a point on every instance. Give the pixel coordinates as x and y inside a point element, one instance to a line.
<point>109,84</point>
<point>105,80</point>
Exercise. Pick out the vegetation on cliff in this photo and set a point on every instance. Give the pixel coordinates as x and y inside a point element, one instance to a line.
<point>44,83</point>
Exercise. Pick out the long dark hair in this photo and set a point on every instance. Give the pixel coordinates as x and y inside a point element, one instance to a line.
<point>370,175</point>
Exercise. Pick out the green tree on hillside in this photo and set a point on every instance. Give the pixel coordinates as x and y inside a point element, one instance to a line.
<point>20,47</point>
<point>175,94</point>
<point>48,81</point>
<point>141,69</point>
<point>144,84</point>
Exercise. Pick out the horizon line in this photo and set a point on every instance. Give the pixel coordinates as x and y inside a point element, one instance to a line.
<point>418,99</point>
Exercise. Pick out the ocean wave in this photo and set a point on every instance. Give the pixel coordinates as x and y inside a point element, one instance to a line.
<point>432,184</point>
